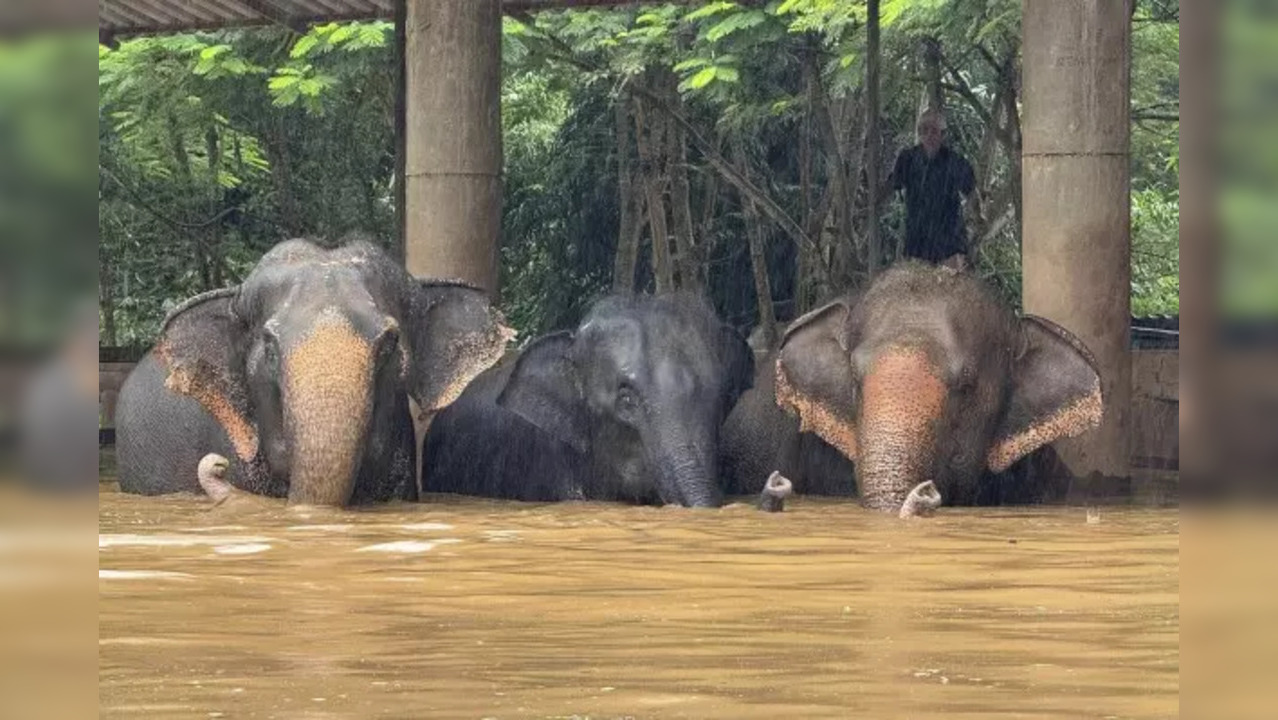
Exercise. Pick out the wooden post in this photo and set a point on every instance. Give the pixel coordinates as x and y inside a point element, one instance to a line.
<point>1077,235</point>
<point>453,146</point>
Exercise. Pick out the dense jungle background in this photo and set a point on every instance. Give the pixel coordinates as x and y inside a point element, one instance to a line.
<point>719,147</point>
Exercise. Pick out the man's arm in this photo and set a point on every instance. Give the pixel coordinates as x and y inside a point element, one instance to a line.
<point>972,206</point>
<point>895,179</point>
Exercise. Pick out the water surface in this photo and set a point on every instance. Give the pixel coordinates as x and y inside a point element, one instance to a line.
<point>476,609</point>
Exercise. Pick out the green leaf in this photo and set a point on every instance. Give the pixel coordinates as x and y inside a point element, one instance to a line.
<point>283,82</point>
<point>691,64</point>
<point>703,78</point>
<point>212,51</point>
<point>310,87</point>
<point>304,45</point>
<point>891,11</point>
<point>733,23</point>
<point>726,74</point>
<point>706,11</point>
<point>650,18</point>
<point>341,34</point>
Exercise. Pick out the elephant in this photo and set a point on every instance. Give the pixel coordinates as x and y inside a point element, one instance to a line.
<point>928,376</point>
<point>626,407</point>
<point>302,377</point>
<point>758,438</point>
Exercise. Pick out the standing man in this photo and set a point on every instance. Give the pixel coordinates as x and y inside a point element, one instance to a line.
<point>932,177</point>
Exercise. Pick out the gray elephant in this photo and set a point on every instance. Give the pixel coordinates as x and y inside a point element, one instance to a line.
<point>928,376</point>
<point>302,376</point>
<point>759,437</point>
<point>626,407</point>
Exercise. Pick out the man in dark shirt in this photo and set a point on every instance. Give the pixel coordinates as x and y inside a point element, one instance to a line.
<point>932,177</point>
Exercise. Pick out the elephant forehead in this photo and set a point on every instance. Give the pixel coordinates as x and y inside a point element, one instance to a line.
<point>308,287</point>
<point>903,385</point>
<point>674,375</point>
<point>615,344</point>
<point>307,309</point>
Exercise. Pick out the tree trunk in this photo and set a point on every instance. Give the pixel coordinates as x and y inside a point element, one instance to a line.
<point>758,258</point>
<point>834,257</point>
<point>213,233</point>
<point>932,98</point>
<point>705,228</point>
<point>629,203</point>
<point>186,181</point>
<point>281,178</point>
<point>648,138</point>
<point>728,170</point>
<point>803,255</point>
<point>690,277</point>
<point>106,297</point>
<point>872,134</point>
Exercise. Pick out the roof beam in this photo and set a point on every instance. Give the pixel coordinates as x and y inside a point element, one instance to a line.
<point>275,14</point>
<point>134,17</point>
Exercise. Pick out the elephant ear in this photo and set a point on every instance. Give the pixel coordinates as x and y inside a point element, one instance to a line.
<point>202,346</point>
<point>814,374</point>
<point>544,388</point>
<point>737,360</point>
<point>454,334</point>
<point>1056,393</point>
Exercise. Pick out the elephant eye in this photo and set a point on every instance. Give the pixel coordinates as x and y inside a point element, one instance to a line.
<point>387,344</point>
<point>627,399</point>
<point>271,354</point>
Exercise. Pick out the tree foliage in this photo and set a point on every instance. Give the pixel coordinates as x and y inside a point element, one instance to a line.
<point>719,147</point>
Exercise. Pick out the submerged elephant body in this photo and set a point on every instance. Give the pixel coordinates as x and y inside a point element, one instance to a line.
<point>759,437</point>
<point>302,377</point>
<point>626,407</point>
<point>926,377</point>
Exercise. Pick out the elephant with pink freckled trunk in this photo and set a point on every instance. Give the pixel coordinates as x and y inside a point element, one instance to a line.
<point>302,377</point>
<point>929,377</point>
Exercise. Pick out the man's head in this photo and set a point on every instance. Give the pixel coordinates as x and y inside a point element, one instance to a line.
<point>931,131</point>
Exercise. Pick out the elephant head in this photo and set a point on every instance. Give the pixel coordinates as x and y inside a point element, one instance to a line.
<point>641,388</point>
<point>305,363</point>
<point>930,377</point>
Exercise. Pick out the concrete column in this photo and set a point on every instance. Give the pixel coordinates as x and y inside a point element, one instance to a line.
<point>1076,191</point>
<point>452,202</point>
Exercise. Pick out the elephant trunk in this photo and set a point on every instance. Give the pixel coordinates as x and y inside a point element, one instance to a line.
<point>902,402</point>
<point>328,407</point>
<point>687,474</point>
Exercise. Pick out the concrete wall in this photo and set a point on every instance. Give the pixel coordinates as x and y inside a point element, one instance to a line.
<point>111,376</point>
<point>1155,410</point>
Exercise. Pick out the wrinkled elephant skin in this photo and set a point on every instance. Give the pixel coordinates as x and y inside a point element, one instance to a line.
<point>301,377</point>
<point>625,407</point>
<point>928,376</point>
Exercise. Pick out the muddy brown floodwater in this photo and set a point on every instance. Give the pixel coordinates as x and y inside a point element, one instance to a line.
<point>473,609</point>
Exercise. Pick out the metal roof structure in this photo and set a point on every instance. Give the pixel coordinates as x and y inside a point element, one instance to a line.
<point>134,17</point>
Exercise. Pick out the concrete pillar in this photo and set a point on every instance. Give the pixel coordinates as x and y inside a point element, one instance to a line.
<point>452,187</point>
<point>1076,191</point>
